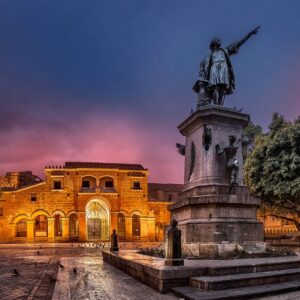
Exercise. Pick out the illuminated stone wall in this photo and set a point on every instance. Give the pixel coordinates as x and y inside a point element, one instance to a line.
<point>82,202</point>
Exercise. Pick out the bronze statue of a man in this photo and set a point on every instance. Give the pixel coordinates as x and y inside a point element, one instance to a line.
<point>216,68</point>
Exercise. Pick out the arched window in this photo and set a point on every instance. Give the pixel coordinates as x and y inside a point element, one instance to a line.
<point>136,225</point>
<point>107,184</point>
<point>121,225</point>
<point>58,225</point>
<point>21,228</point>
<point>73,226</point>
<point>88,184</point>
<point>41,226</point>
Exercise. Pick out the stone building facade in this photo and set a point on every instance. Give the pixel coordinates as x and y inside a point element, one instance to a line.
<point>276,226</point>
<point>81,202</point>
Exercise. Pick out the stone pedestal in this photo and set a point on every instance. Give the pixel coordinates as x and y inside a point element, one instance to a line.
<point>206,211</point>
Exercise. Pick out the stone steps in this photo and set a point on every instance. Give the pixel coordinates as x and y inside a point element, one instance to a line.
<point>252,268</point>
<point>207,283</point>
<point>191,293</point>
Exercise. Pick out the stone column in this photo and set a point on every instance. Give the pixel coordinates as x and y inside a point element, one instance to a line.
<point>30,230</point>
<point>151,228</point>
<point>82,226</point>
<point>144,228</point>
<point>114,221</point>
<point>65,228</point>
<point>128,228</point>
<point>51,229</point>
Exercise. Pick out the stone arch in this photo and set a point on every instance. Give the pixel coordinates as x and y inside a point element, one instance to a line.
<point>124,213</point>
<point>136,212</point>
<point>101,200</point>
<point>91,179</point>
<point>39,212</point>
<point>72,212</point>
<point>59,212</point>
<point>19,217</point>
<point>97,212</point>
<point>105,180</point>
<point>110,176</point>
<point>92,176</point>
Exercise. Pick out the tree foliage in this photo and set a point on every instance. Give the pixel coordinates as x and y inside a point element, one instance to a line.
<point>272,169</point>
<point>248,137</point>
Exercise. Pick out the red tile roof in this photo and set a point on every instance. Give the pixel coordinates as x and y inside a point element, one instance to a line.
<point>94,165</point>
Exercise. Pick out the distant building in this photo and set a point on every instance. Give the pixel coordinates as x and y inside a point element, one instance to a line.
<point>84,202</point>
<point>276,226</point>
<point>160,196</point>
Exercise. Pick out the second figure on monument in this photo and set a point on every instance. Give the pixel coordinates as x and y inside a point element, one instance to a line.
<point>231,159</point>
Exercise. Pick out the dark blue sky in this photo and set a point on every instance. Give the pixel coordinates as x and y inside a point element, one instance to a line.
<point>72,69</point>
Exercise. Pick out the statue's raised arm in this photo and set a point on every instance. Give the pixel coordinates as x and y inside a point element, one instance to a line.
<point>234,47</point>
<point>246,38</point>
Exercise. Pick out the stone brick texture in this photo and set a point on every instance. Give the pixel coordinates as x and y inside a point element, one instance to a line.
<point>17,193</point>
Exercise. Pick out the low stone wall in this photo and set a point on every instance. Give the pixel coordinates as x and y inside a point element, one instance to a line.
<point>151,271</point>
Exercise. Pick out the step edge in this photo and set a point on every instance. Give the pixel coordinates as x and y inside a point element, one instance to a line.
<point>235,276</point>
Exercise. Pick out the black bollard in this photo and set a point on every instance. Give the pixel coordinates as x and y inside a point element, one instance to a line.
<point>114,241</point>
<point>173,251</point>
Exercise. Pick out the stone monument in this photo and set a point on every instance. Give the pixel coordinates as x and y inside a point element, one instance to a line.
<point>215,211</point>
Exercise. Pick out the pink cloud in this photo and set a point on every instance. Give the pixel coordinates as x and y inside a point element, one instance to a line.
<point>97,136</point>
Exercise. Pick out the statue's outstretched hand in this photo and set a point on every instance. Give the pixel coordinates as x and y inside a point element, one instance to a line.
<point>255,30</point>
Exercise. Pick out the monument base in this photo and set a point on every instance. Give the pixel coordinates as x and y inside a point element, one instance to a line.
<point>207,215</point>
<point>213,250</point>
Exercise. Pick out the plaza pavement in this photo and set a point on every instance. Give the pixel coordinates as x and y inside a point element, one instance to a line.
<point>40,276</point>
<point>38,266</point>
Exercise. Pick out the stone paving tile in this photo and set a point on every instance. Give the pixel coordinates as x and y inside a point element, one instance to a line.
<point>98,280</point>
<point>40,276</point>
<point>30,269</point>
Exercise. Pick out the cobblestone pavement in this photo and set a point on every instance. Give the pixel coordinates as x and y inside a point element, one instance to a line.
<point>39,276</point>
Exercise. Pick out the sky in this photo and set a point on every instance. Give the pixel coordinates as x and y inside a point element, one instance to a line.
<point>109,81</point>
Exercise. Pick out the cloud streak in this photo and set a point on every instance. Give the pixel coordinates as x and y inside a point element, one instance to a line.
<point>91,136</point>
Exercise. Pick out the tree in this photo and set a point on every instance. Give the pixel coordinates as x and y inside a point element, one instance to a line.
<point>272,169</point>
<point>248,137</point>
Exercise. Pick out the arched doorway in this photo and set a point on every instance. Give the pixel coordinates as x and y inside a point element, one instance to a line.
<point>73,226</point>
<point>41,226</point>
<point>97,220</point>
<point>21,228</point>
